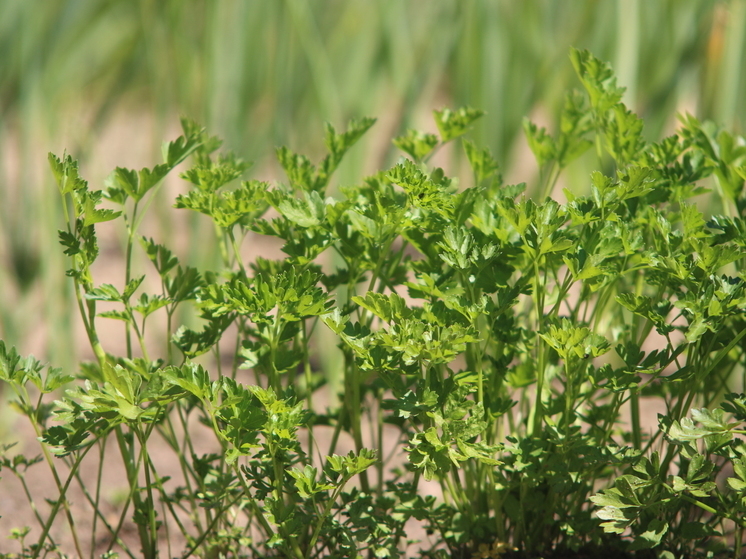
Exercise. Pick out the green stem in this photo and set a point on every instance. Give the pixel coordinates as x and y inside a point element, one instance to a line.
<point>22,478</point>
<point>567,283</point>
<point>166,502</point>
<point>634,403</point>
<point>210,528</point>
<point>456,491</point>
<point>186,471</point>
<point>552,177</point>
<point>337,431</point>
<point>324,515</point>
<point>219,234</point>
<point>128,270</point>
<point>309,381</point>
<point>354,409</point>
<point>569,401</point>
<point>474,353</point>
<point>738,542</point>
<point>150,501</point>
<point>169,324</point>
<point>711,510</point>
<point>98,515</point>
<point>89,318</point>
<point>236,250</point>
<point>274,375</point>
<point>138,334</point>
<point>62,500</point>
<point>704,371</point>
<point>379,422</point>
<point>131,468</point>
<point>252,504</point>
<point>95,504</point>
<point>538,409</point>
<point>279,491</point>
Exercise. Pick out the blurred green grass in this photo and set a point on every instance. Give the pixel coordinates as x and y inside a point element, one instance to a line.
<point>260,73</point>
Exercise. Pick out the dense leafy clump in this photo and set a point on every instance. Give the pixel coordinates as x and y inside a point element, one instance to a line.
<point>510,343</point>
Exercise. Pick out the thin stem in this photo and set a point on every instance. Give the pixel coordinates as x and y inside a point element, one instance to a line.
<point>62,491</point>
<point>150,502</point>
<point>99,475</point>
<point>538,409</point>
<point>253,505</point>
<point>552,177</point>
<point>354,409</point>
<point>474,353</point>
<point>236,250</point>
<point>128,269</point>
<point>274,375</point>
<point>132,468</point>
<point>634,404</point>
<point>166,502</point>
<point>379,422</point>
<point>98,515</point>
<point>210,527</point>
<point>138,333</point>
<point>323,516</point>
<point>186,470</point>
<point>169,325</point>
<point>32,503</point>
<point>309,381</point>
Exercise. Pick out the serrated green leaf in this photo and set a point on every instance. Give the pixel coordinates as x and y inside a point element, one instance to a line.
<point>452,124</point>
<point>116,315</point>
<point>66,174</point>
<point>598,79</point>
<point>194,137</point>
<point>685,430</point>
<point>70,242</point>
<point>542,145</point>
<point>148,304</point>
<point>623,134</point>
<point>712,420</point>
<point>92,215</point>
<point>191,377</point>
<point>309,212</point>
<point>418,145</point>
<point>737,484</point>
<point>651,537</point>
<point>105,292</point>
<point>210,176</point>
<point>483,164</point>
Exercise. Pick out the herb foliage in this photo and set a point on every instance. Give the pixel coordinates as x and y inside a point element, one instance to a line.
<point>512,343</point>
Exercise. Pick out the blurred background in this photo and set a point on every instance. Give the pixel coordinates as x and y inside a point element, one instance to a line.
<point>106,81</point>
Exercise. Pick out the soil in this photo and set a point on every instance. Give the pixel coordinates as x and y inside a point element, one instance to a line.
<point>585,553</point>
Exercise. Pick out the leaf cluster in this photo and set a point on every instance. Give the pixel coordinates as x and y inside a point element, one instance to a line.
<point>506,345</point>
